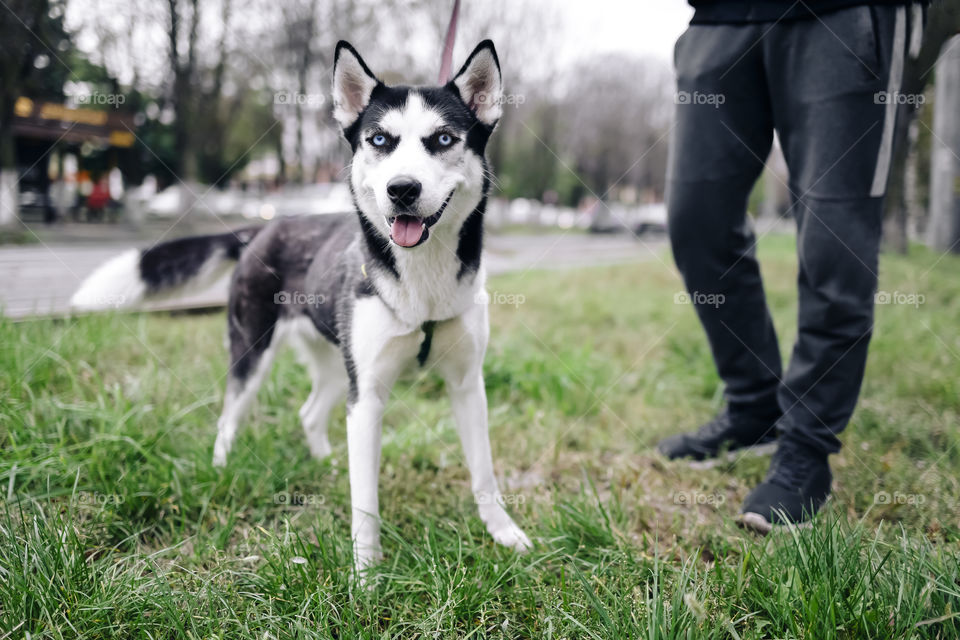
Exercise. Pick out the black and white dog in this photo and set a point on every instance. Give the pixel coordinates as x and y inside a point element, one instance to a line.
<point>363,296</point>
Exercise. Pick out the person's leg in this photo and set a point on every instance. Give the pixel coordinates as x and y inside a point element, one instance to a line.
<point>721,138</point>
<point>825,76</point>
<point>837,133</point>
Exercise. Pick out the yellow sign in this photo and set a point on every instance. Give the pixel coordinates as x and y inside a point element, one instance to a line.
<point>51,111</point>
<point>121,139</point>
<point>23,107</point>
<point>27,109</point>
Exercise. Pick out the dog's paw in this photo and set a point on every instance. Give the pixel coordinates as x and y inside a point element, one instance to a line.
<point>512,536</point>
<point>319,446</point>
<point>220,450</point>
<point>363,564</point>
<point>501,526</point>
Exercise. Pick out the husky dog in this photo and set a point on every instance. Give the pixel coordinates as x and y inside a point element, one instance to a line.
<point>362,296</point>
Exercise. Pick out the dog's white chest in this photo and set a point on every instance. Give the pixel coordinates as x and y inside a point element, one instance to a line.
<point>428,287</point>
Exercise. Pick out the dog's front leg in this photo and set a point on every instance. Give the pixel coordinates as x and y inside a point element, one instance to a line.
<point>463,342</point>
<point>364,420</point>
<point>469,401</point>
<point>379,348</point>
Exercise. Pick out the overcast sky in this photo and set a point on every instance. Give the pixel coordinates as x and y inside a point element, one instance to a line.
<point>646,27</point>
<point>582,28</point>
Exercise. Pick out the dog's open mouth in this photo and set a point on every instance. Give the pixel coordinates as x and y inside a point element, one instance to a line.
<point>409,231</point>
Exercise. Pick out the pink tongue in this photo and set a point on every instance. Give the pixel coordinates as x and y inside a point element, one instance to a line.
<point>406,230</point>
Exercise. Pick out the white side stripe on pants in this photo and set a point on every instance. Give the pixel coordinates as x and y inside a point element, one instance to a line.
<point>916,30</point>
<point>882,169</point>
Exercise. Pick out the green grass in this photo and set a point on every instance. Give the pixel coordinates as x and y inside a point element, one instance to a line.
<point>114,524</point>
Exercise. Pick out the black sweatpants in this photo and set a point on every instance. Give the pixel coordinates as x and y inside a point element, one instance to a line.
<point>829,87</point>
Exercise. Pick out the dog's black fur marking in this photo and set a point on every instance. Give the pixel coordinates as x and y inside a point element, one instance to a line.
<point>344,319</point>
<point>446,100</point>
<point>343,44</point>
<point>470,244</point>
<point>424,351</point>
<point>479,133</point>
<point>172,263</point>
<point>289,258</point>
<point>250,322</point>
<point>382,99</point>
<point>485,45</point>
<point>365,288</point>
<point>377,246</point>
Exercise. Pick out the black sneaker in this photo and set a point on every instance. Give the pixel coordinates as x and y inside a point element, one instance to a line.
<point>727,432</point>
<point>796,486</point>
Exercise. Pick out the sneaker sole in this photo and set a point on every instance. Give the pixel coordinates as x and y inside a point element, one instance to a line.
<point>758,524</point>
<point>765,449</point>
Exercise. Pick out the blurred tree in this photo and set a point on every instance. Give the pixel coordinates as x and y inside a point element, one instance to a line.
<point>527,167</point>
<point>300,21</point>
<point>32,43</point>
<point>129,37</point>
<point>943,231</point>
<point>190,99</point>
<point>522,154</point>
<point>183,23</point>
<point>302,52</point>
<point>236,118</point>
<point>917,174</point>
<point>943,21</point>
<point>616,113</point>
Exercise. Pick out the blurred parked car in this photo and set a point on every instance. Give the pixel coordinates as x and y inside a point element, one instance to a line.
<point>613,217</point>
<point>651,218</point>
<point>313,199</point>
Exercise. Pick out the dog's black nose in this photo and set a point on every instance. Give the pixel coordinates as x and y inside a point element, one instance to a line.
<point>403,191</point>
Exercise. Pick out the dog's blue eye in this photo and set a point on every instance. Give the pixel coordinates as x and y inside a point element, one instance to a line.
<point>379,140</point>
<point>440,141</point>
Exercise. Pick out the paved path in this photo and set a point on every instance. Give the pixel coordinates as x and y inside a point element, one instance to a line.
<point>39,279</point>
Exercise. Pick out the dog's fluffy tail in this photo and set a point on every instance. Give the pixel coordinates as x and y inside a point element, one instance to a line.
<point>165,270</point>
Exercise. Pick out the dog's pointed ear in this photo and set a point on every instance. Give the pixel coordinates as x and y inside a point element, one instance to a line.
<point>480,84</point>
<point>353,82</point>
